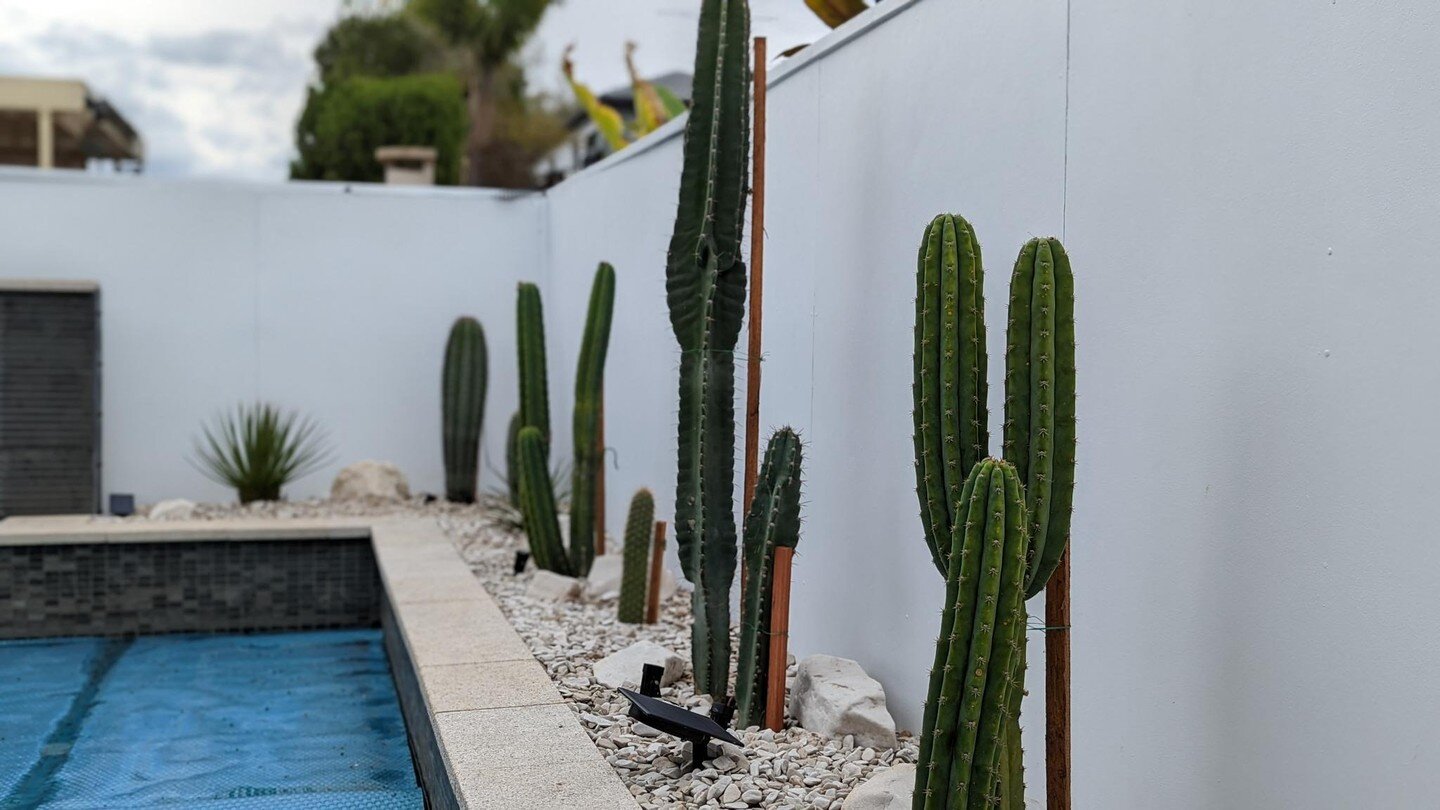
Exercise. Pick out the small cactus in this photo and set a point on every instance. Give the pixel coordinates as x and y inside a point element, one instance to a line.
<point>589,401</point>
<point>773,521</point>
<point>537,504</point>
<point>462,404</point>
<point>978,677</point>
<point>635,563</point>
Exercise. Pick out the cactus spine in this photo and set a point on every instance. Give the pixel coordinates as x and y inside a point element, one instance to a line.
<point>530,338</point>
<point>951,417</point>
<point>1040,398</point>
<point>705,290</point>
<point>537,504</point>
<point>462,406</point>
<point>512,459</point>
<point>978,677</point>
<point>589,396</point>
<point>635,563</point>
<point>773,521</point>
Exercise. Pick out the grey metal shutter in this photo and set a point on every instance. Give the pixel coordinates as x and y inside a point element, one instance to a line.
<point>49,397</point>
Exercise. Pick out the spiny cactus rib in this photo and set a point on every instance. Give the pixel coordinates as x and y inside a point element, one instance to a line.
<point>982,626</point>
<point>589,396</point>
<point>1040,399</point>
<point>534,385</point>
<point>950,390</point>
<point>462,404</point>
<point>635,568</point>
<point>705,291</point>
<point>773,521</point>
<point>512,459</point>
<point>537,504</point>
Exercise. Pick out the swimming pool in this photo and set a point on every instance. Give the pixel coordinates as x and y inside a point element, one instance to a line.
<point>277,720</point>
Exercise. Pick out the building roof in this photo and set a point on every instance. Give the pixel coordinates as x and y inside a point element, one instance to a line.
<point>86,126</point>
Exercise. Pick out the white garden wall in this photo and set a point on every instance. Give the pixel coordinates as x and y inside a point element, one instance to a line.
<point>1250,193</point>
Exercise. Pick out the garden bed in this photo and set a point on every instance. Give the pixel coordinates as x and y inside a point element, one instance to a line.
<point>790,768</point>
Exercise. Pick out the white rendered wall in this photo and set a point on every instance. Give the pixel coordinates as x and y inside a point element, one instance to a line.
<point>1249,194</point>
<point>331,301</point>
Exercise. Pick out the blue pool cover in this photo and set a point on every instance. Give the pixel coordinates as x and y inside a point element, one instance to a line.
<point>286,720</point>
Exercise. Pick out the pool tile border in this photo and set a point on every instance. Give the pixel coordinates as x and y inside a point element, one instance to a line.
<point>488,726</point>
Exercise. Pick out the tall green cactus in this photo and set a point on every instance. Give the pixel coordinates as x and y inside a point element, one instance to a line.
<point>462,407</point>
<point>530,339</point>
<point>589,400</point>
<point>978,678</point>
<point>705,289</point>
<point>951,416</point>
<point>1040,398</point>
<point>537,504</point>
<point>773,521</point>
<point>635,563</point>
<point>512,458</point>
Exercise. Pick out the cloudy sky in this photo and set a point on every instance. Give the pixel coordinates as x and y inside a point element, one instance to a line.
<point>214,86</point>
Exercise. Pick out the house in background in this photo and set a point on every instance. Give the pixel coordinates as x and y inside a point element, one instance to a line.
<point>60,123</point>
<point>586,146</point>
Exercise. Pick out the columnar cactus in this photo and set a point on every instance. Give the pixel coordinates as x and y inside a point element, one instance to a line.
<point>773,521</point>
<point>635,562</point>
<point>978,678</point>
<point>951,417</point>
<point>1040,399</point>
<point>512,459</point>
<point>537,504</point>
<point>705,289</point>
<point>534,385</point>
<point>462,406</point>
<point>589,398</point>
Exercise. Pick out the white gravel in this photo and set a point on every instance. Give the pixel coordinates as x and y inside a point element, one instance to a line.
<point>791,768</point>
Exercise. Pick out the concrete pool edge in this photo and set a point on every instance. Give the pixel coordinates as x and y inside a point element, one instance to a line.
<point>501,731</point>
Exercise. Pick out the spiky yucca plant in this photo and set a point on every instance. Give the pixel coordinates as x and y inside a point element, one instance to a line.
<point>258,448</point>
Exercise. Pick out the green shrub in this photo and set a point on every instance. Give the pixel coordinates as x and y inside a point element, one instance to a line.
<point>258,449</point>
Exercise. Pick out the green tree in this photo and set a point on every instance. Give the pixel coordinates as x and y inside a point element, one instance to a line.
<point>388,46</point>
<point>485,36</point>
<point>345,121</point>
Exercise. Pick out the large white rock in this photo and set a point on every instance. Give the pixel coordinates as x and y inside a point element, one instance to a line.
<point>890,789</point>
<point>548,586</point>
<point>604,581</point>
<point>834,697</point>
<point>173,509</point>
<point>370,480</point>
<point>624,666</point>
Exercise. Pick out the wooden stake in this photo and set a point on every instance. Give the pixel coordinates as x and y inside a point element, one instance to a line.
<point>657,567</point>
<point>1057,687</point>
<point>779,639</point>
<point>600,478</point>
<point>757,283</point>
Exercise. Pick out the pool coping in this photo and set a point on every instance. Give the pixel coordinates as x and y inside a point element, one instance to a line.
<point>505,736</point>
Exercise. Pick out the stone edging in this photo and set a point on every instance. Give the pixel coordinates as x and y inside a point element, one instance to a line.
<point>504,735</point>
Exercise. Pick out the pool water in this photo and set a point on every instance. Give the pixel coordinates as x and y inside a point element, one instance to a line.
<point>285,720</point>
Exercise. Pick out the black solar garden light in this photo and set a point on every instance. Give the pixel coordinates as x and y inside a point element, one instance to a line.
<point>696,729</point>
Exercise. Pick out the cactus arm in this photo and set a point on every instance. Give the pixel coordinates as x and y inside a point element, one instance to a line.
<point>589,395</point>
<point>773,521</point>
<point>537,504</point>
<point>930,483</point>
<point>705,291</point>
<point>534,385</point>
<point>463,386</point>
<point>1040,399</point>
<point>634,571</point>
<point>512,459</point>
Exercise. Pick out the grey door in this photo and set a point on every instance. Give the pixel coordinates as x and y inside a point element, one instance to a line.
<point>49,398</point>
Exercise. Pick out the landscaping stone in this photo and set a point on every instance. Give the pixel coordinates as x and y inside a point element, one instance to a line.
<point>834,697</point>
<point>370,480</point>
<point>603,584</point>
<point>625,666</point>
<point>173,509</point>
<point>890,789</point>
<point>548,586</point>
